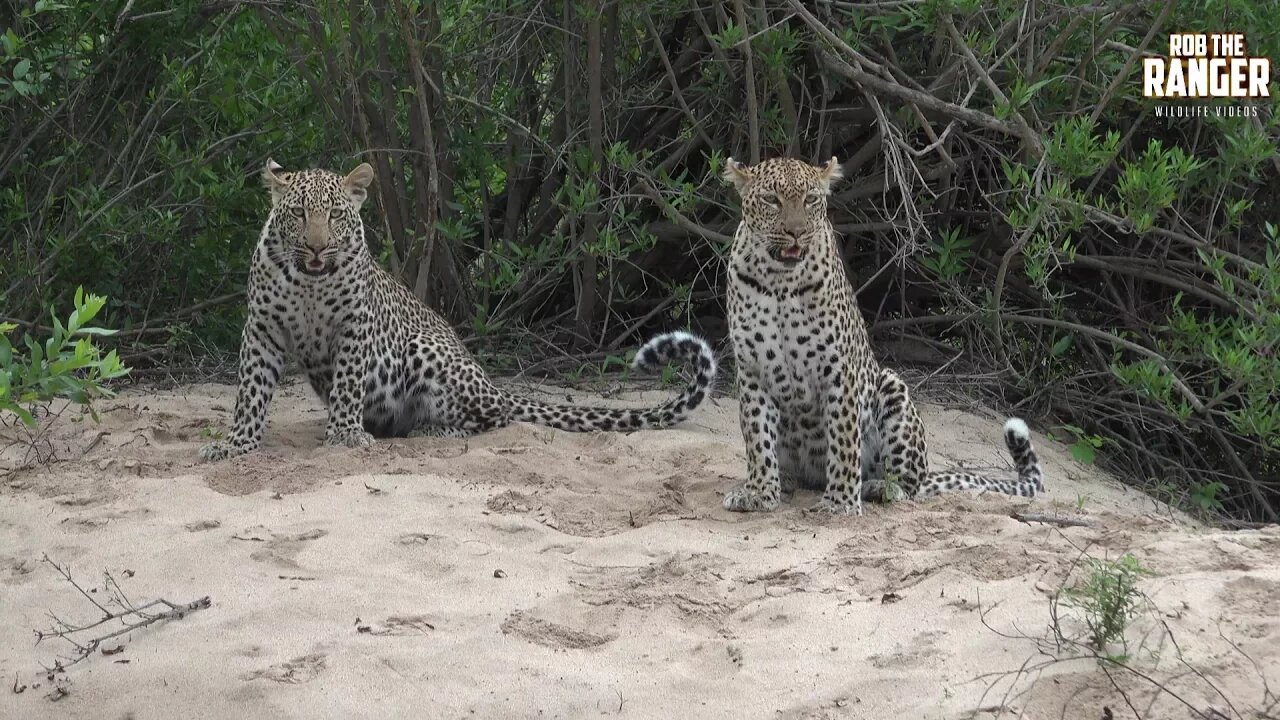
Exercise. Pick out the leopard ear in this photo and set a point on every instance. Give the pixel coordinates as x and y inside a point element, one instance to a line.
<point>276,183</point>
<point>736,173</point>
<point>358,181</point>
<point>831,172</point>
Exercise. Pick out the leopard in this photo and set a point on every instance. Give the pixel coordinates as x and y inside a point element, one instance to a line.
<point>816,409</point>
<point>384,363</point>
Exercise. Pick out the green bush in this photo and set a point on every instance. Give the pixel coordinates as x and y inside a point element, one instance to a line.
<point>1107,598</point>
<point>68,365</point>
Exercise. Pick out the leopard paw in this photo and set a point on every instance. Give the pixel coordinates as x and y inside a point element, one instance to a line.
<point>350,437</point>
<point>848,506</point>
<point>744,499</point>
<point>221,450</point>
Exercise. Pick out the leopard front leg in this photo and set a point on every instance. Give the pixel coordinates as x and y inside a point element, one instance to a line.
<point>262,360</point>
<point>758,415</point>
<point>346,396</point>
<point>844,446</point>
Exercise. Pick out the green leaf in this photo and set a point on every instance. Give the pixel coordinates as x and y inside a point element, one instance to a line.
<point>11,42</point>
<point>1083,452</point>
<point>23,414</point>
<point>101,332</point>
<point>1062,346</point>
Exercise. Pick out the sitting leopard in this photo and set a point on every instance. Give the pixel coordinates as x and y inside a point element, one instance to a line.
<point>384,363</point>
<point>816,408</point>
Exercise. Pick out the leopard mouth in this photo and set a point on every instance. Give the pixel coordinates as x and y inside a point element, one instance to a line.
<point>314,267</point>
<point>789,255</point>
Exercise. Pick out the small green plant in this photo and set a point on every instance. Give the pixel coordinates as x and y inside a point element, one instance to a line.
<point>1085,447</point>
<point>951,255</point>
<point>1151,183</point>
<point>669,374</point>
<point>209,432</point>
<point>68,365</point>
<point>1081,499</point>
<point>482,323</point>
<point>1075,148</point>
<point>1107,598</point>
<point>576,374</point>
<point>893,488</point>
<point>621,361</point>
<point>1206,496</point>
<point>730,36</point>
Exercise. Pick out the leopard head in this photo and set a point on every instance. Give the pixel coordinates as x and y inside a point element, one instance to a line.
<point>784,205</point>
<point>316,215</point>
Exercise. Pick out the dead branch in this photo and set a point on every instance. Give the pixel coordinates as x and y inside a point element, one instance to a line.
<point>749,82</point>
<point>130,616</point>
<point>1029,518</point>
<point>1029,137</point>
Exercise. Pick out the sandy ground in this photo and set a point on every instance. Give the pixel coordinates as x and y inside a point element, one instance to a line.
<point>530,573</point>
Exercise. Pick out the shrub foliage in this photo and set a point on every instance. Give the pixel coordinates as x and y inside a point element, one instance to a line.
<point>68,365</point>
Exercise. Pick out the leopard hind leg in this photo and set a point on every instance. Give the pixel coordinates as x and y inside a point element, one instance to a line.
<point>446,394</point>
<point>894,451</point>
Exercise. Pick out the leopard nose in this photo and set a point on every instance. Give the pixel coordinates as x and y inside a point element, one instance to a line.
<point>795,228</point>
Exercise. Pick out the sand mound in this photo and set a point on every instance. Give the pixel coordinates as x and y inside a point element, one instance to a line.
<point>533,573</point>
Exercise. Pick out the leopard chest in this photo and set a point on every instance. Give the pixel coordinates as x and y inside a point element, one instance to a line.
<point>783,341</point>
<point>311,315</point>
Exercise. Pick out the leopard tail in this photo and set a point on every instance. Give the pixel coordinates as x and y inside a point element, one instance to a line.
<point>652,357</point>
<point>1017,437</point>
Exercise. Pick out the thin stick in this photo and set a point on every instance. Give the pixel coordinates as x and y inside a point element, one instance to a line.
<point>1029,518</point>
<point>65,631</point>
<point>753,119</point>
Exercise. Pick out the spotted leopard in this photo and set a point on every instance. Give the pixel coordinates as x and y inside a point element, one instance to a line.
<point>817,410</point>
<point>383,362</point>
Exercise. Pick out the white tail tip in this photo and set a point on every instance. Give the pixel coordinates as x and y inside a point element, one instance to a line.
<point>1018,428</point>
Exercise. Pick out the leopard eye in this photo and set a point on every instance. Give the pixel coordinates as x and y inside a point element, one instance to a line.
<point>297,211</point>
<point>770,199</point>
<point>335,214</point>
<point>813,200</point>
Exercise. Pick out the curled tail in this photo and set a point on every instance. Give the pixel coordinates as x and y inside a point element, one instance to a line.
<point>653,356</point>
<point>1017,437</point>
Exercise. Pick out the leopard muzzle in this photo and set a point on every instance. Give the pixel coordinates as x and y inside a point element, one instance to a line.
<point>789,250</point>
<point>314,265</point>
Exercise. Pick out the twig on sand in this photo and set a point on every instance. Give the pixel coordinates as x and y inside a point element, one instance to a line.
<point>132,618</point>
<point>1233,524</point>
<point>1049,519</point>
